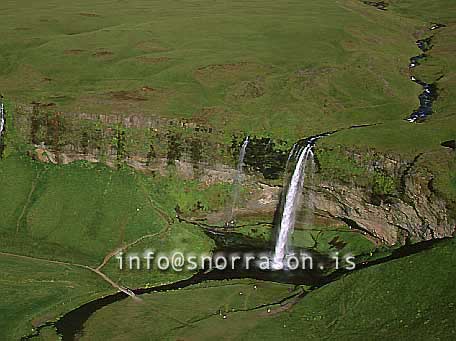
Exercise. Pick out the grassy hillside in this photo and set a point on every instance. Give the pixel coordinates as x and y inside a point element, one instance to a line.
<point>57,220</point>
<point>81,212</point>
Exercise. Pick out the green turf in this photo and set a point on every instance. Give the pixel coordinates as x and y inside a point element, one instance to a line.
<point>290,69</point>
<point>410,298</point>
<point>81,212</point>
<point>437,11</point>
<point>185,239</point>
<point>37,291</point>
<point>182,309</point>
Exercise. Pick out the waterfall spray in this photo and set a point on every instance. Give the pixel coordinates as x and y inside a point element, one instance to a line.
<point>230,221</point>
<point>292,201</point>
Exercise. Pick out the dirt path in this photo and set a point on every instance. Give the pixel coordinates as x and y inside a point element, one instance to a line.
<point>27,203</point>
<point>98,272</point>
<point>127,246</point>
<point>169,221</point>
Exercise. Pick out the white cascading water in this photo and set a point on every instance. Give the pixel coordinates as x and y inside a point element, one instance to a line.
<point>2,118</point>
<point>305,155</point>
<point>237,182</point>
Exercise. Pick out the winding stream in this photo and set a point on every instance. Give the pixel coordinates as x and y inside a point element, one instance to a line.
<point>71,325</point>
<point>429,94</point>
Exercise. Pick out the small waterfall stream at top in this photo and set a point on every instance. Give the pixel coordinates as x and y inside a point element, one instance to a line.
<point>231,220</point>
<point>305,160</point>
<point>2,127</point>
<point>2,118</point>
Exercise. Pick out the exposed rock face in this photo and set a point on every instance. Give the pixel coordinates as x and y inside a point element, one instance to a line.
<point>413,211</point>
<point>420,214</point>
<point>206,173</point>
<point>417,213</point>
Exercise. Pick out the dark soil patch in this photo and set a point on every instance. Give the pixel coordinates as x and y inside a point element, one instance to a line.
<point>43,105</point>
<point>102,54</point>
<point>248,90</point>
<point>73,52</point>
<point>148,89</point>
<point>91,15</point>
<point>224,67</point>
<point>449,144</point>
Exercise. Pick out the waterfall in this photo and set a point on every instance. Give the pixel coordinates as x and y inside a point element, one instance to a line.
<point>291,205</point>
<point>2,118</point>
<point>230,221</point>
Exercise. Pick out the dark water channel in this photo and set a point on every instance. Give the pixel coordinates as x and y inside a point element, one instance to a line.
<point>71,325</point>
<point>429,94</point>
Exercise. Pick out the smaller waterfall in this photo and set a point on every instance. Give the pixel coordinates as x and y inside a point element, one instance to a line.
<point>230,221</point>
<point>304,157</point>
<point>2,118</point>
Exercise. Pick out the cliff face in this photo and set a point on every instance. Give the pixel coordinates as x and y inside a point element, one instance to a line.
<point>399,202</point>
<point>419,214</point>
<point>415,212</point>
<point>390,199</point>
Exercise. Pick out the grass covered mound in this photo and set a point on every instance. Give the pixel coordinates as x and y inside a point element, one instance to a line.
<point>163,316</point>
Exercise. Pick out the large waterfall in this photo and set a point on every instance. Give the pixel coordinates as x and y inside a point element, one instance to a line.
<point>230,220</point>
<point>305,158</point>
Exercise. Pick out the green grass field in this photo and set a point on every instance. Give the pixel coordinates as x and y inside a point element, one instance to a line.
<point>81,212</point>
<point>289,69</point>
<point>410,298</point>
<point>57,219</point>
<point>37,291</point>
<point>280,69</point>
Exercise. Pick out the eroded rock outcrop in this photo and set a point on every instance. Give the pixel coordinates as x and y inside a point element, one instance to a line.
<point>392,199</point>
<point>419,214</point>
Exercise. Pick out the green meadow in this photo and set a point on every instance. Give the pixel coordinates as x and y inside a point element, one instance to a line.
<point>410,298</point>
<point>59,220</point>
<point>285,68</point>
<point>280,69</point>
<point>36,291</point>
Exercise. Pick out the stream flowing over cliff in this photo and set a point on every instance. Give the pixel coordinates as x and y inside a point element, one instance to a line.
<point>413,209</point>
